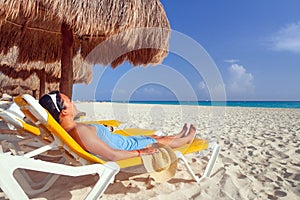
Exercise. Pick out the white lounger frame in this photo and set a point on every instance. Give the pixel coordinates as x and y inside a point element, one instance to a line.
<point>9,163</point>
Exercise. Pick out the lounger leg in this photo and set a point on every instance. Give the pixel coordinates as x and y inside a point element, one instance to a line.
<point>186,164</point>
<point>215,152</point>
<point>106,176</point>
<point>28,184</point>
<point>8,183</point>
<point>13,190</point>
<point>212,161</point>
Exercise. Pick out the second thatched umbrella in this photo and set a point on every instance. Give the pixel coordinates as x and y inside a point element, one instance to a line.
<point>17,86</point>
<point>46,73</point>
<point>56,30</point>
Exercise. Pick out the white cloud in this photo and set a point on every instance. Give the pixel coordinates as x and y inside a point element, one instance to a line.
<point>150,90</point>
<point>153,92</point>
<point>203,90</point>
<point>240,82</point>
<point>216,92</point>
<point>202,85</point>
<point>287,38</point>
<point>232,61</point>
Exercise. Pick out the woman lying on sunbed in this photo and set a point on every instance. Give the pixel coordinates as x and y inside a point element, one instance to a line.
<point>97,138</point>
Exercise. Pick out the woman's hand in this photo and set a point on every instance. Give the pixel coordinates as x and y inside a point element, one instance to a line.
<point>148,150</point>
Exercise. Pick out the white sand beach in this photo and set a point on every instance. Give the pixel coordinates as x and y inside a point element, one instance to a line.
<point>259,158</point>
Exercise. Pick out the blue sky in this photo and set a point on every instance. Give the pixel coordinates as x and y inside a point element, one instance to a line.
<point>253,45</point>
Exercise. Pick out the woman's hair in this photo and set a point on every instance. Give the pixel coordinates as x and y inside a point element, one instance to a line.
<point>53,103</point>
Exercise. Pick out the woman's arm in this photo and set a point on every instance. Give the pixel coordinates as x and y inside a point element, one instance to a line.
<point>87,138</point>
<point>97,146</point>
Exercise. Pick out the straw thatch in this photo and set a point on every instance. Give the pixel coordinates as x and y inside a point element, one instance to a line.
<point>56,30</point>
<point>19,86</point>
<point>46,73</point>
<point>36,27</point>
<point>82,71</point>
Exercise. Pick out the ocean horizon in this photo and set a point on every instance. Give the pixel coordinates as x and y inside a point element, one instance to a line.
<point>259,104</point>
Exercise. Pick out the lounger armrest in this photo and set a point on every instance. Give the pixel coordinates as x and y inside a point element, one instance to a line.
<point>12,119</point>
<point>15,110</point>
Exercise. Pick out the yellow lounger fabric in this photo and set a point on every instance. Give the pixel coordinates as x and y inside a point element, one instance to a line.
<point>114,123</point>
<point>134,132</point>
<point>31,129</point>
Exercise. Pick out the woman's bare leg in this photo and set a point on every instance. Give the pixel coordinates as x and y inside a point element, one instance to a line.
<point>178,142</point>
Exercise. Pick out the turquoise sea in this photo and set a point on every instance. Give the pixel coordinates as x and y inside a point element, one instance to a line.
<point>262,104</point>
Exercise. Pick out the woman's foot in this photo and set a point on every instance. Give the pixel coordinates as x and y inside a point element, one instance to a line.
<point>178,142</point>
<point>182,132</point>
<point>191,134</point>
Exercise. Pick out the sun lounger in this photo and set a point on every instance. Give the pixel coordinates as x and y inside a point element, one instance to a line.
<point>106,170</point>
<point>15,187</point>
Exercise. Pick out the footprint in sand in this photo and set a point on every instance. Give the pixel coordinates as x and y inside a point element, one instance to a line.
<point>297,177</point>
<point>280,193</point>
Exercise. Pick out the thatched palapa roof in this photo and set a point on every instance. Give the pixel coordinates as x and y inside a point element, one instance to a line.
<point>103,31</point>
<point>35,27</point>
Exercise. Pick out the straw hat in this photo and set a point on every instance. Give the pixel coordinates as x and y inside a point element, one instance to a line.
<point>162,165</point>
